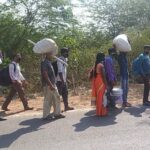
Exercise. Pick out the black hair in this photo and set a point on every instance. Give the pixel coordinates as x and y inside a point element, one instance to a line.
<point>14,55</point>
<point>64,49</point>
<point>111,50</point>
<point>99,59</point>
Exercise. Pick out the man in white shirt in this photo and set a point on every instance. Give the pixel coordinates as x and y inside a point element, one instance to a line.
<point>62,78</point>
<point>18,82</point>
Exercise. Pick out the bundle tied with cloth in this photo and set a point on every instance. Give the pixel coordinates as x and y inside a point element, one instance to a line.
<point>121,43</point>
<point>46,46</point>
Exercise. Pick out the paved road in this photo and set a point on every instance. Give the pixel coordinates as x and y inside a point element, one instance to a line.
<point>127,129</point>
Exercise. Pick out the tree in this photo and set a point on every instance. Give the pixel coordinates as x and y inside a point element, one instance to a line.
<point>117,15</point>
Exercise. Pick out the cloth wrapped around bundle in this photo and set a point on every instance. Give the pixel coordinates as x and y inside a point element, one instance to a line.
<point>45,45</point>
<point>121,43</point>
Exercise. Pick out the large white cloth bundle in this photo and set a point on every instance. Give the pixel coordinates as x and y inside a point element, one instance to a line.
<point>121,43</point>
<point>45,45</point>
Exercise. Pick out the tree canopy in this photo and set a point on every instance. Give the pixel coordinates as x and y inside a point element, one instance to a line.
<point>36,19</point>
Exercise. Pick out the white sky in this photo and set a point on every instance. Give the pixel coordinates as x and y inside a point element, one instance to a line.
<point>2,1</point>
<point>79,11</point>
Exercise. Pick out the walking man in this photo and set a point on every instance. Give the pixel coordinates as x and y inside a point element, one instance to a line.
<point>62,78</point>
<point>17,86</point>
<point>51,95</point>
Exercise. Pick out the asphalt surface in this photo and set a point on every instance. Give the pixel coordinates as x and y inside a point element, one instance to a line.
<point>127,129</point>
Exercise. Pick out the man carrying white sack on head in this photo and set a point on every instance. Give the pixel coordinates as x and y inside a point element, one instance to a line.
<point>51,95</point>
<point>121,43</point>
<point>49,48</point>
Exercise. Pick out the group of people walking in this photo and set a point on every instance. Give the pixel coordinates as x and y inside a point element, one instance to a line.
<point>103,77</point>
<point>53,85</point>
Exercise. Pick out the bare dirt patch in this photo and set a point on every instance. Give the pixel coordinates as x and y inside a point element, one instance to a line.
<point>79,101</point>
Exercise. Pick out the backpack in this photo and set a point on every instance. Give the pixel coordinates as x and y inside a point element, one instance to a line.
<point>55,67</point>
<point>5,79</point>
<point>136,69</point>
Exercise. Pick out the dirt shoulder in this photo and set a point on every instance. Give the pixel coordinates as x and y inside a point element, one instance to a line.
<point>79,101</point>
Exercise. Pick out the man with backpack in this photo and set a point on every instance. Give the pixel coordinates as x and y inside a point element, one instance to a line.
<point>145,72</point>
<point>17,82</point>
<point>62,78</point>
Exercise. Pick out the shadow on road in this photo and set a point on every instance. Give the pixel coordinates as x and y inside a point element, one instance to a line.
<point>90,120</point>
<point>14,113</point>
<point>32,126</point>
<point>136,111</point>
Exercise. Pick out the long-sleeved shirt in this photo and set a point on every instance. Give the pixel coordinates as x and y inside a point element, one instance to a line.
<point>15,72</point>
<point>62,69</point>
<point>109,69</point>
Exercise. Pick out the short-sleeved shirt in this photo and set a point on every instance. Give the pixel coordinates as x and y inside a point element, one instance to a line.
<point>46,65</point>
<point>62,69</point>
<point>123,63</point>
<point>109,69</point>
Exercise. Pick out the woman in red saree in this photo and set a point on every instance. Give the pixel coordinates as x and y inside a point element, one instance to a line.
<point>99,85</point>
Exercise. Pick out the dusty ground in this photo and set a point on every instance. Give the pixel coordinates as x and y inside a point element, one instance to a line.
<point>79,101</point>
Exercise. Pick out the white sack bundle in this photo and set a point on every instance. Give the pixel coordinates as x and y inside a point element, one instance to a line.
<point>122,44</point>
<point>45,45</point>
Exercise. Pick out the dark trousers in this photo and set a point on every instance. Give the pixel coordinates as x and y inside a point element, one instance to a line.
<point>146,88</point>
<point>16,88</point>
<point>109,97</point>
<point>63,91</point>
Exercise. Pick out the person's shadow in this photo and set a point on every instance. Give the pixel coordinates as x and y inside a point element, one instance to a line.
<point>91,119</point>
<point>136,111</point>
<point>32,125</point>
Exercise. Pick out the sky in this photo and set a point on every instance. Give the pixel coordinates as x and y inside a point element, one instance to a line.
<point>2,1</point>
<point>79,11</point>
